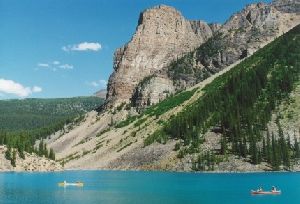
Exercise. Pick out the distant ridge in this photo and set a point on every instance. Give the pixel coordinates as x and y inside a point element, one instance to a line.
<point>101,94</point>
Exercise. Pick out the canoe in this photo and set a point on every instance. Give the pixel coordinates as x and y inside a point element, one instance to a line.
<point>64,184</point>
<point>265,192</point>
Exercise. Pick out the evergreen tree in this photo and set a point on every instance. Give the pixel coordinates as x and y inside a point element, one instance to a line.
<point>275,155</point>
<point>21,154</point>
<point>51,154</point>
<point>45,151</point>
<point>253,150</point>
<point>223,145</point>
<point>13,159</point>
<point>296,148</point>
<point>8,153</point>
<point>244,147</point>
<point>269,149</point>
<point>264,149</point>
<point>41,148</point>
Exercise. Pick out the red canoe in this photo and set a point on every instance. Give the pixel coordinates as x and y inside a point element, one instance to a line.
<point>265,192</point>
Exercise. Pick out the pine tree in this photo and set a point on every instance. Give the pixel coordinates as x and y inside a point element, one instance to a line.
<point>275,159</point>
<point>284,149</point>
<point>264,149</point>
<point>51,154</point>
<point>41,148</point>
<point>21,154</point>
<point>45,151</point>
<point>8,153</point>
<point>253,150</point>
<point>13,159</point>
<point>296,148</point>
<point>244,147</point>
<point>223,145</point>
<point>289,145</point>
<point>269,149</point>
<point>259,156</point>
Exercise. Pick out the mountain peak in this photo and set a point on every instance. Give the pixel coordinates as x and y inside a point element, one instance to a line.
<point>157,12</point>
<point>161,36</point>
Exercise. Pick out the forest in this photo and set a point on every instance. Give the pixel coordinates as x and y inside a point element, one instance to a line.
<point>23,121</point>
<point>239,105</point>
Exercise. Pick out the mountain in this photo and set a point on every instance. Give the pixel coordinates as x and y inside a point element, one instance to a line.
<point>169,53</point>
<point>162,35</point>
<point>231,100</point>
<point>101,94</point>
<point>30,114</point>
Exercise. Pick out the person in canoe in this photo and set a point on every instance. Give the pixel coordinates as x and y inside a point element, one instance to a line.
<point>274,189</point>
<point>260,189</point>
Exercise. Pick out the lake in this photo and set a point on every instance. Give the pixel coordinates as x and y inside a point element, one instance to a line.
<point>146,187</point>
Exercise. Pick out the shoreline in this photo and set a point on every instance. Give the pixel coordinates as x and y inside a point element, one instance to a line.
<point>154,171</point>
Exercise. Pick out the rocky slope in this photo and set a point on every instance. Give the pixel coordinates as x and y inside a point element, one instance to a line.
<point>100,143</point>
<point>32,162</point>
<point>144,74</point>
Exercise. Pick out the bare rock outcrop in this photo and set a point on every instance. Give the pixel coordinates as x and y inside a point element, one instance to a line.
<point>243,34</point>
<point>152,90</point>
<point>288,6</point>
<point>162,35</point>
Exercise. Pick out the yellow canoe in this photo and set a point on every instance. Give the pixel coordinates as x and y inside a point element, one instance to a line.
<point>64,184</point>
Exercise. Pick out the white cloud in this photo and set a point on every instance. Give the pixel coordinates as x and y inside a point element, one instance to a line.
<point>100,83</point>
<point>12,87</point>
<point>95,84</point>
<point>66,66</point>
<point>54,66</point>
<point>84,46</point>
<point>43,65</point>
<point>37,89</point>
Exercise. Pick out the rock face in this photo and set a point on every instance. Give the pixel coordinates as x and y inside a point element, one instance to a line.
<point>152,90</point>
<point>288,6</point>
<point>169,53</point>
<point>244,33</point>
<point>162,35</point>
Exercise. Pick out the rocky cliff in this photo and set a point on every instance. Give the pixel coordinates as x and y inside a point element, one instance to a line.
<point>162,35</point>
<point>169,53</point>
<point>243,34</point>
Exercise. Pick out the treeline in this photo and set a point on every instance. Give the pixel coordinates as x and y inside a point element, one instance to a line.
<point>42,150</point>
<point>22,122</point>
<point>28,114</point>
<point>240,103</point>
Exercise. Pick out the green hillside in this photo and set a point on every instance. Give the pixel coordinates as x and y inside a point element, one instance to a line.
<point>24,121</point>
<point>239,105</point>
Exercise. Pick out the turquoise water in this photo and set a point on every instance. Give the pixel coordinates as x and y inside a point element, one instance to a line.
<point>146,187</point>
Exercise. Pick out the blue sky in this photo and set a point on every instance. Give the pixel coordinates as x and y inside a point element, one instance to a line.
<point>64,48</point>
